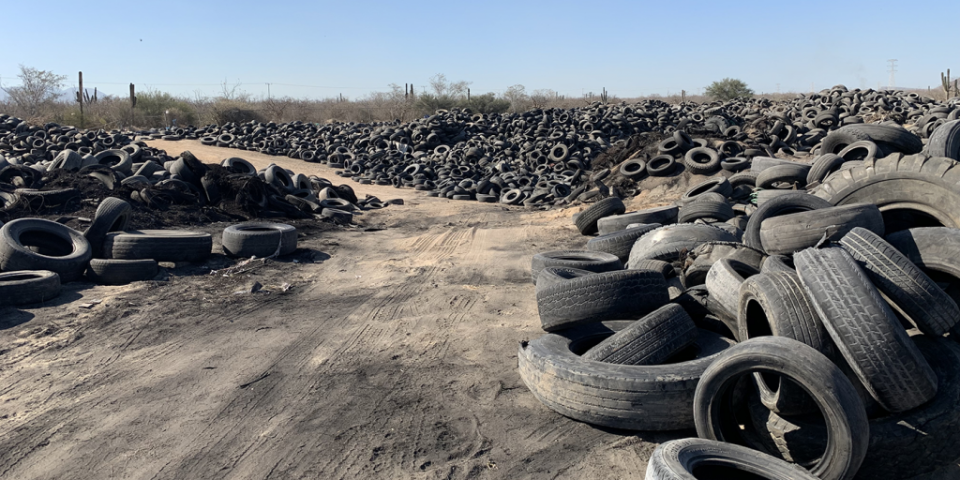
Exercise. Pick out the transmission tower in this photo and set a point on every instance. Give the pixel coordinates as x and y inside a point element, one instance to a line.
<point>893,72</point>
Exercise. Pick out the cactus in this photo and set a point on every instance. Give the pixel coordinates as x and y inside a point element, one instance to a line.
<point>603,96</point>
<point>945,84</point>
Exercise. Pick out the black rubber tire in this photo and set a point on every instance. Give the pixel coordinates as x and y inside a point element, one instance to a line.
<point>894,136</point>
<point>661,166</point>
<point>587,221</point>
<point>704,209</point>
<point>602,296</point>
<point>735,164</point>
<point>596,262</point>
<point>782,205</point>
<point>27,287</point>
<point>760,164</point>
<point>778,263</point>
<point>794,174</point>
<point>60,249</point>
<point>117,160</point>
<point>705,255</point>
<point>121,272</point>
<point>259,239</point>
<point>901,445</point>
<point>865,330</point>
<point>239,165</point>
<point>662,215</point>
<point>630,397</point>
<point>702,160</point>
<point>336,215</point>
<point>40,199</point>
<point>649,341</point>
<point>113,215</point>
<point>619,243</point>
<point>838,400</point>
<point>665,269</point>
<point>945,141</point>
<point>554,275</point>
<point>787,234</point>
<point>934,251</point>
<point>668,243</point>
<point>775,303</point>
<point>633,169</point>
<point>743,184</point>
<point>159,245</point>
<point>823,166</point>
<point>692,458</point>
<point>719,185</point>
<point>723,282</point>
<point>913,184</point>
<point>862,150</point>
<point>903,283</point>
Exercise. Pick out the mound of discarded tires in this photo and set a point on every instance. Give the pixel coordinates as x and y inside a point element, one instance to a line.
<point>542,157</point>
<point>802,317</point>
<point>37,256</point>
<point>63,167</point>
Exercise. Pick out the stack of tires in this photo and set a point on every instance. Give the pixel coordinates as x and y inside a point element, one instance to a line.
<point>817,328</point>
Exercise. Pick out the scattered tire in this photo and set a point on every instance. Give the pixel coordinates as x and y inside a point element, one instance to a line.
<point>619,243</point>
<point>587,221</point>
<point>121,272</point>
<point>662,215</point>
<point>669,242</point>
<point>602,296</point>
<point>865,330</point>
<point>775,303</point>
<point>259,239</point>
<point>782,205</point>
<point>36,244</point>
<point>159,245</point>
<point>702,160</point>
<point>945,141</point>
<point>907,287</point>
<point>113,215</point>
<point>632,397</point>
<point>584,260</point>
<point>848,428</point>
<point>723,282</point>
<point>786,234</point>
<point>28,287</point>
<point>692,458</point>
<point>648,341</point>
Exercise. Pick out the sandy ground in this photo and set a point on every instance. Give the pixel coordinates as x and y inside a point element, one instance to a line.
<point>392,356</point>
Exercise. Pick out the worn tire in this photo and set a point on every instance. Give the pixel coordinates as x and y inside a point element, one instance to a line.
<point>901,445</point>
<point>631,397</point>
<point>669,242</point>
<point>865,330</point>
<point>121,272</point>
<point>60,249</point>
<point>113,215</point>
<point>775,303</point>
<point>603,296</point>
<point>848,427</point>
<point>587,221</point>
<point>27,287</point>
<point>703,209</point>
<point>782,205</point>
<point>584,260</point>
<point>795,174</point>
<point>907,287</point>
<point>945,141</point>
<point>702,160</point>
<point>662,215</point>
<point>259,239</point>
<point>910,190</point>
<point>159,245</point>
<point>650,340</point>
<point>791,233</point>
<point>723,282</point>
<point>691,458</point>
<point>718,185</point>
<point>619,243</point>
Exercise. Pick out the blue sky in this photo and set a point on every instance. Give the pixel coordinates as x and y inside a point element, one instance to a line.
<point>322,49</point>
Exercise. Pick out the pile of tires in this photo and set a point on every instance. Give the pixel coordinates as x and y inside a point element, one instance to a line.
<point>543,156</point>
<point>807,312</point>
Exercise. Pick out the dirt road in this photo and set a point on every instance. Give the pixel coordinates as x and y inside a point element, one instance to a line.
<point>392,356</point>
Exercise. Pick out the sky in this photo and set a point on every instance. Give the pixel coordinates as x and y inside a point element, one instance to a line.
<point>316,49</point>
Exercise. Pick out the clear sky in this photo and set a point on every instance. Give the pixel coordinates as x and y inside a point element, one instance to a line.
<point>321,49</point>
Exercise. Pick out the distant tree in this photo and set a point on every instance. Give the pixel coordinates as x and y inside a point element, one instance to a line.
<point>728,89</point>
<point>517,96</point>
<point>486,103</point>
<point>540,98</point>
<point>38,88</point>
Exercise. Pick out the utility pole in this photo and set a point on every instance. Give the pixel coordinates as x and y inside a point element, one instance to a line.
<point>268,91</point>
<point>893,71</point>
<point>80,98</point>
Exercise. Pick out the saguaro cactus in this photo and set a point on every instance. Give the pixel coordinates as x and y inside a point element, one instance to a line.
<point>945,84</point>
